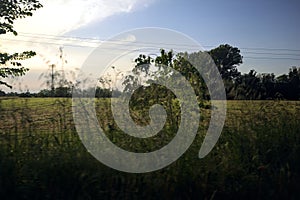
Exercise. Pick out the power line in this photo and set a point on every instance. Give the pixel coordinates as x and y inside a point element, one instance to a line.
<point>93,40</point>
<point>266,53</point>
<point>271,58</point>
<point>97,41</point>
<point>52,43</point>
<point>57,37</point>
<point>269,49</point>
<point>118,48</point>
<point>78,45</point>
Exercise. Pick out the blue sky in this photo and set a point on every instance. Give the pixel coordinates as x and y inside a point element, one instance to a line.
<point>270,24</point>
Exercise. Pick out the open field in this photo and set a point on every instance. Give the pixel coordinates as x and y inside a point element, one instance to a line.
<point>257,156</point>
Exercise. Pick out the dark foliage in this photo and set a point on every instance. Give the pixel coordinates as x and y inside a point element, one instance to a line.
<point>11,10</point>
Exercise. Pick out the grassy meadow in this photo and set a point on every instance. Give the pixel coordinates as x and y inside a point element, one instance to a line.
<point>42,157</point>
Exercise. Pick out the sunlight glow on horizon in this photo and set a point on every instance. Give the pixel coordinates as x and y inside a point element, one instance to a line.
<point>56,18</point>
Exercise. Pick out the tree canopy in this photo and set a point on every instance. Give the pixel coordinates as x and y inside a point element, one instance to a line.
<point>11,10</point>
<point>227,58</point>
<point>250,85</point>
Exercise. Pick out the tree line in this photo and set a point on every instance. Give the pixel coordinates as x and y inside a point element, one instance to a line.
<point>238,86</point>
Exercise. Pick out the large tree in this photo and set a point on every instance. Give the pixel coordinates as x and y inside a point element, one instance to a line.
<point>227,58</point>
<point>11,10</point>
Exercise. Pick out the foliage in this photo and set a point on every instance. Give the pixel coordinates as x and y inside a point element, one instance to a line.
<point>251,86</point>
<point>18,70</point>
<point>267,86</point>
<point>41,156</point>
<point>227,58</point>
<point>149,70</point>
<point>9,12</point>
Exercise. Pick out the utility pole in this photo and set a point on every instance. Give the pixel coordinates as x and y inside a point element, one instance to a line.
<point>52,80</point>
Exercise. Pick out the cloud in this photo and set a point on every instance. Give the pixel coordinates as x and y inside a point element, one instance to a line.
<point>58,17</point>
<point>61,16</point>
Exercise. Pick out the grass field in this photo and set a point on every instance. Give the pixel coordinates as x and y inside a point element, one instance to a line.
<point>256,157</point>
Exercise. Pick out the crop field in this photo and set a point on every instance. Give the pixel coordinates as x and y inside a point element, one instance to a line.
<point>42,157</point>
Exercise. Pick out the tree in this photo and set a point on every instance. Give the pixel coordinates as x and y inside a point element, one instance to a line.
<point>268,84</point>
<point>13,59</point>
<point>247,86</point>
<point>161,68</point>
<point>293,90</point>
<point>265,86</point>
<point>227,58</point>
<point>11,10</point>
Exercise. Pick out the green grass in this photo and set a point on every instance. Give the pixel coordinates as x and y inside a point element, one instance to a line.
<point>256,157</point>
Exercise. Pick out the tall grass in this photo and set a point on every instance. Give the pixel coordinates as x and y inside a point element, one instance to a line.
<point>41,156</point>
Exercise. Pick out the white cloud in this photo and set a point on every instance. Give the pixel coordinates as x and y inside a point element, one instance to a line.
<point>58,17</point>
<point>61,16</point>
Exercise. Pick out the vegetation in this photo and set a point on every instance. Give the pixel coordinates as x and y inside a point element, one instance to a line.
<point>257,156</point>
<point>238,86</point>
<point>9,12</point>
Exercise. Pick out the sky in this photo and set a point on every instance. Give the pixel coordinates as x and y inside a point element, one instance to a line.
<point>267,32</point>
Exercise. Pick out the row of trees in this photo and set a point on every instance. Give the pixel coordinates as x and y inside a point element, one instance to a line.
<point>266,86</point>
<point>238,86</point>
<point>254,85</point>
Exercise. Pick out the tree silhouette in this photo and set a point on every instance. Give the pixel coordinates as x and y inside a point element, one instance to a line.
<point>9,12</point>
<point>227,58</point>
